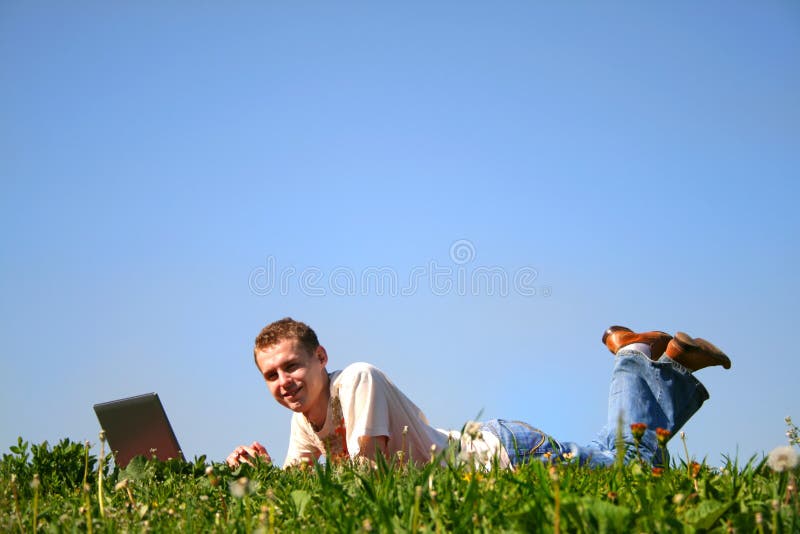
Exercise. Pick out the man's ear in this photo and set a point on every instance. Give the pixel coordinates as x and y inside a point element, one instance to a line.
<point>322,355</point>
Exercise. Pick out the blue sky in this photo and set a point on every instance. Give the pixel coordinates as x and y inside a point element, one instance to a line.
<point>154,159</point>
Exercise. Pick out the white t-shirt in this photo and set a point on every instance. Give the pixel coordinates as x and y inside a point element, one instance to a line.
<point>364,402</point>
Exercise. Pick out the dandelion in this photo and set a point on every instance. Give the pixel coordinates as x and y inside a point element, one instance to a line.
<point>35,486</point>
<point>782,458</point>
<point>102,437</point>
<point>637,429</point>
<point>238,487</point>
<point>690,464</point>
<point>553,473</point>
<point>556,499</point>
<point>473,429</point>
<point>470,475</point>
<point>466,457</point>
<point>401,454</point>
<point>694,468</point>
<point>305,463</point>
<point>662,435</point>
<point>415,511</point>
<point>678,498</point>
<point>793,433</point>
<point>124,484</point>
<point>242,487</point>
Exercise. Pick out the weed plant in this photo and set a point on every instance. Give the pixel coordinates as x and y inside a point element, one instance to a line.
<point>56,490</point>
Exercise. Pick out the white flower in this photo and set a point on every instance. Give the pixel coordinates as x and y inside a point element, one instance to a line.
<point>782,458</point>
<point>238,487</point>
<point>473,456</point>
<point>466,456</point>
<point>241,487</point>
<point>473,429</point>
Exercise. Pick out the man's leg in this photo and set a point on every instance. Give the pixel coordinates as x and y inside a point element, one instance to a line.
<point>523,442</point>
<point>660,394</point>
<point>652,383</point>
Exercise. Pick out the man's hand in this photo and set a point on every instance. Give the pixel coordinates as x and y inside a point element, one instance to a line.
<point>243,453</point>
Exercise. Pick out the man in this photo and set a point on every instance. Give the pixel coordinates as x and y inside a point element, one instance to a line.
<point>358,412</point>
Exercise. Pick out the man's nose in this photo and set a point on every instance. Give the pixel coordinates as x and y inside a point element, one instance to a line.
<point>284,379</point>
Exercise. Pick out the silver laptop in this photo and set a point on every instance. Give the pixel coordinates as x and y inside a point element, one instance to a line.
<point>138,426</point>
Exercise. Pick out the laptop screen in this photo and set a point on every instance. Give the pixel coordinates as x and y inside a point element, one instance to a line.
<point>137,426</point>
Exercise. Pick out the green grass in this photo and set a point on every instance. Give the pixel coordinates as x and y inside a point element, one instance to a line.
<point>386,497</point>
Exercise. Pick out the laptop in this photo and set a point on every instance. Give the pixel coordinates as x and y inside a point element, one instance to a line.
<point>138,426</point>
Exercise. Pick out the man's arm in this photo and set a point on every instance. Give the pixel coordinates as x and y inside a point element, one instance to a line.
<point>369,446</point>
<point>364,406</point>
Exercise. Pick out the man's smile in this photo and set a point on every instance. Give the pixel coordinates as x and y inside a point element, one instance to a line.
<point>293,393</point>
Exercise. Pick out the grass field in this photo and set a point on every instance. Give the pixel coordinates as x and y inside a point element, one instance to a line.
<point>64,489</point>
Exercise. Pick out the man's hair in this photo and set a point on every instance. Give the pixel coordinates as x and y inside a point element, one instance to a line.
<point>283,329</point>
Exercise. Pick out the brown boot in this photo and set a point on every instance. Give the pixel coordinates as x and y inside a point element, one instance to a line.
<point>616,337</point>
<point>696,353</point>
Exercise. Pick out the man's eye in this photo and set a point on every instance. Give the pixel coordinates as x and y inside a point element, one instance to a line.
<point>270,377</point>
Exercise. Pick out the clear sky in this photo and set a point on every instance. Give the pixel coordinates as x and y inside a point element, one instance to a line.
<point>164,165</point>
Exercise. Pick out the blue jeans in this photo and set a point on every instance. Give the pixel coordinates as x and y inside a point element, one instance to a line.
<point>659,394</point>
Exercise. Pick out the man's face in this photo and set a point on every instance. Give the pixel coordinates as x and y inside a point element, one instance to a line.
<point>296,377</point>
